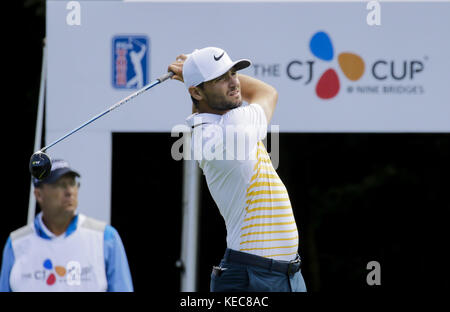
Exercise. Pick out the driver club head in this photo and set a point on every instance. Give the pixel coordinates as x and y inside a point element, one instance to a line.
<point>40,165</point>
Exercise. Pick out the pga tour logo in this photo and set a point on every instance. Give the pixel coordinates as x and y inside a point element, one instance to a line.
<point>130,61</point>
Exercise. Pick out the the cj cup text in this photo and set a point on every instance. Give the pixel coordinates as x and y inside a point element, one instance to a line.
<point>223,142</point>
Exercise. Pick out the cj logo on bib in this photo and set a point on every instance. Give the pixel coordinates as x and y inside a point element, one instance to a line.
<point>71,273</point>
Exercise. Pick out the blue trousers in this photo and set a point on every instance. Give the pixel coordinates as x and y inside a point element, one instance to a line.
<point>237,277</point>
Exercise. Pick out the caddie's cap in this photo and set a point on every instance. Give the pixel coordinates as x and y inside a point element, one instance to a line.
<point>60,167</point>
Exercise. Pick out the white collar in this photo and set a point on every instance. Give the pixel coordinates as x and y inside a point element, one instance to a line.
<point>44,227</point>
<point>201,118</point>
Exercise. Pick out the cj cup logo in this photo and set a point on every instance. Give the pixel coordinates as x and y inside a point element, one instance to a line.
<point>351,64</point>
<point>71,273</point>
<point>378,73</point>
<point>130,61</point>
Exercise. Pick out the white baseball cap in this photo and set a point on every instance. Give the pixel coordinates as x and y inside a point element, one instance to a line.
<point>207,64</point>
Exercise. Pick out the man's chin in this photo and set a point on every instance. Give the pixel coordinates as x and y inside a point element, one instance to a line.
<point>236,104</point>
<point>70,208</point>
<point>225,106</point>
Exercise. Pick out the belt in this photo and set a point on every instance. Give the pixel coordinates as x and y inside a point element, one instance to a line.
<point>287,267</point>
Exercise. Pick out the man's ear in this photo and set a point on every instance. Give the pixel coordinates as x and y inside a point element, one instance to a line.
<point>196,93</point>
<point>38,194</point>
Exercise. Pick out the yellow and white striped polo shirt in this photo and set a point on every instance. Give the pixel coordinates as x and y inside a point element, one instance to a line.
<point>247,190</point>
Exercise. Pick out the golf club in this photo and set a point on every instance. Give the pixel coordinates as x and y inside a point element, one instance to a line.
<point>40,163</point>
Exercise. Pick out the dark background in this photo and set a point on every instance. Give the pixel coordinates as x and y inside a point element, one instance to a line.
<point>356,197</point>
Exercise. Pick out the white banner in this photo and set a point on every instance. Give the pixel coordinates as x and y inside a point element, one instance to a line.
<point>334,70</point>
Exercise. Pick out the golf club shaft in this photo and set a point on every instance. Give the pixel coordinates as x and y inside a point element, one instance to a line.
<point>121,102</point>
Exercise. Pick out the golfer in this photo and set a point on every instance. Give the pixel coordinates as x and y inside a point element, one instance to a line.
<point>262,236</point>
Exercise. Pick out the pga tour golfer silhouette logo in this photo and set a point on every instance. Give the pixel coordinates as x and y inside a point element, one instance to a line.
<point>130,61</point>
